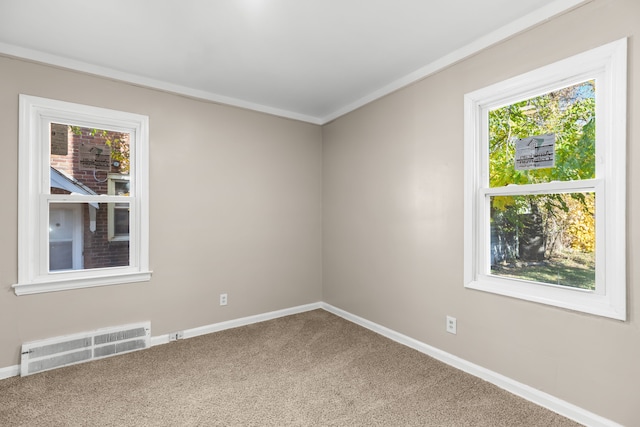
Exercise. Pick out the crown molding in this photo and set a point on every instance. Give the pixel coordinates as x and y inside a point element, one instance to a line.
<point>520,25</point>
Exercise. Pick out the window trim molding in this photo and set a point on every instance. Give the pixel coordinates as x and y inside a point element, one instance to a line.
<point>35,113</point>
<point>609,64</point>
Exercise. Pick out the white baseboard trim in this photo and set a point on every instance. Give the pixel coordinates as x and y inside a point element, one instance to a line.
<point>9,371</point>
<point>235,323</point>
<point>12,371</point>
<point>529,393</point>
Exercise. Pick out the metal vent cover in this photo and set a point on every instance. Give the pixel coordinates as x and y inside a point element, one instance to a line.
<point>51,353</point>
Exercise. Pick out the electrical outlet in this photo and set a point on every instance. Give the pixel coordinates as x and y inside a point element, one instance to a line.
<point>223,299</point>
<point>452,325</point>
<point>176,336</point>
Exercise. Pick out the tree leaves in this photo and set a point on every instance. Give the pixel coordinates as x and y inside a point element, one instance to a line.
<point>569,113</point>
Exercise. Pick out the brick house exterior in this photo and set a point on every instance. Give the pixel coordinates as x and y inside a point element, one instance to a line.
<point>69,148</point>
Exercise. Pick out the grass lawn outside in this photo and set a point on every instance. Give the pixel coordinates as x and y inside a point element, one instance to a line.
<point>572,269</point>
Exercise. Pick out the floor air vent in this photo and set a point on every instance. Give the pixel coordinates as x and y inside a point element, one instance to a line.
<point>38,356</point>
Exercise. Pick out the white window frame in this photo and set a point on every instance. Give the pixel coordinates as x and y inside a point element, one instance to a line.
<point>608,66</point>
<point>35,115</point>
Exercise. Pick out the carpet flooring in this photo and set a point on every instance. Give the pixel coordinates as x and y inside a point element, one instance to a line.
<point>309,369</point>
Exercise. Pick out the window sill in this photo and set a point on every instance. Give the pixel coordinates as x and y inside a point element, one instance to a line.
<point>580,300</point>
<point>65,284</point>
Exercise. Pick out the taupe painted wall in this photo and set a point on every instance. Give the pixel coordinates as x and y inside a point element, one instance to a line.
<point>393,226</point>
<point>235,207</point>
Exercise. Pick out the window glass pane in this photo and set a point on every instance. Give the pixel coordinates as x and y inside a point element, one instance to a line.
<point>547,238</point>
<point>82,158</point>
<point>121,220</point>
<point>79,238</point>
<point>121,188</point>
<point>547,138</point>
<point>60,255</point>
<point>62,236</point>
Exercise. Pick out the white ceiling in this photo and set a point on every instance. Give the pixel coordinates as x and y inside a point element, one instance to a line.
<point>310,60</point>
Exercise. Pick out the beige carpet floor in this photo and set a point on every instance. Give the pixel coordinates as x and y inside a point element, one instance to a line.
<point>309,369</point>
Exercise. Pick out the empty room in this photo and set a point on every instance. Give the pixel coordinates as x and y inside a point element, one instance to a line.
<point>310,213</point>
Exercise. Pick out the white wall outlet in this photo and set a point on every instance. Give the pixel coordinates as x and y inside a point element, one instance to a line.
<point>452,326</point>
<point>176,336</point>
<point>223,299</point>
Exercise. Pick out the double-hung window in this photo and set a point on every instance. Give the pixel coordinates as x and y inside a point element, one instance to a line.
<point>83,196</point>
<point>545,184</point>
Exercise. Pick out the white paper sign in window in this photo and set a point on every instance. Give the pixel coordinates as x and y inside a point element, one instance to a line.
<point>536,152</point>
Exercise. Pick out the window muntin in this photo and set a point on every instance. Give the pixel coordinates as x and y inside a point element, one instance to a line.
<point>67,153</point>
<point>592,175</point>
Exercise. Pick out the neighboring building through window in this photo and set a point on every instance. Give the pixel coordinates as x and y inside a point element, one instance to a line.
<point>84,196</point>
<point>544,184</point>
<point>72,155</point>
<point>118,213</point>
